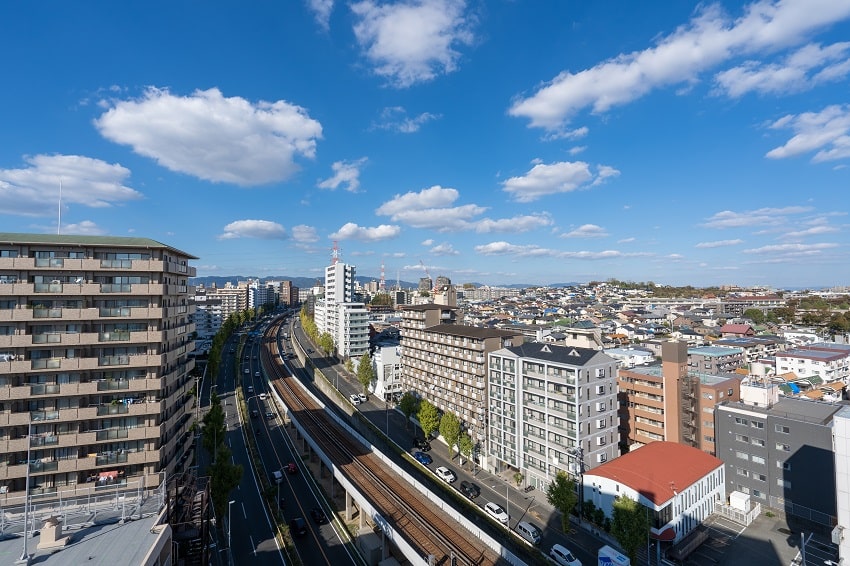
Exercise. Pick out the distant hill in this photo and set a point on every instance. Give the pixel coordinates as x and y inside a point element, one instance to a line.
<point>304,282</point>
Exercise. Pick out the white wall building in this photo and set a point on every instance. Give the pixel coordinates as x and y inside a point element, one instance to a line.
<point>548,406</point>
<point>841,443</point>
<point>678,497</point>
<point>631,357</point>
<point>828,361</point>
<point>387,364</point>
<point>352,330</point>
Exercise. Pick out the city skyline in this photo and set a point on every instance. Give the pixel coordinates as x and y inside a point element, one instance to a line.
<point>692,143</point>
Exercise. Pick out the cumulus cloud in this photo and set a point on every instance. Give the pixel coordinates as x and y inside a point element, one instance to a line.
<point>792,250</point>
<point>84,228</point>
<point>561,177</point>
<point>813,231</point>
<point>758,217</point>
<point>395,118</point>
<point>444,249</point>
<point>351,231</point>
<point>346,174</point>
<point>412,41</point>
<point>260,229</point>
<point>304,234</point>
<point>214,138</point>
<point>710,39</point>
<point>718,244</point>
<point>34,189</point>
<point>804,69</point>
<point>321,11</point>
<point>430,209</point>
<point>586,231</point>
<point>428,242</point>
<point>533,250</point>
<point>827,131</point>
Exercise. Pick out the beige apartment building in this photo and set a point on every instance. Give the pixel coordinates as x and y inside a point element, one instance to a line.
<point>95,385</point>
<point>446,362</point>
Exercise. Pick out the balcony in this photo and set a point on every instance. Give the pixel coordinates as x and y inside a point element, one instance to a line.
<point>113,384</point>
<point>47,288</point>
<point>113,336</point>
<point>113,409</point>
<point>46,313</point>
<point>111,459</point>
<point>115,288</point>
<point>111,434</point>
<point>37,416</point>
<point>122,312</point>
<point>47,338</point>
<point>119,360</point>
<point>39,467</point>
<point>44,389</point>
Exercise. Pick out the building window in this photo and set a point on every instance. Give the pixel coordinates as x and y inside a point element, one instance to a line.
<point>742,455</point>
<point>783,429</point>
<point>757,424</point>
<point>760,477</point>
<point>783,447</point>
<point>742,438</point>
<point>758,441</point>
<point>757,493</point>
<point>758,460</point>
<point>783,483</point>
<point>784,465</point>
<point>743,472</point>
<point>740,421</point>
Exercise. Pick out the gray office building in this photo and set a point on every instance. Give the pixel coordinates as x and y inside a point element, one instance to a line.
<point>779,451</point>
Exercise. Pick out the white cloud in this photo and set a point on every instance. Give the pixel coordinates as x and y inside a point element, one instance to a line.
<point>395,118</point>
<point>428,242</point>
<point>34,190</point>
<point>758,217</point>
<point>84,228</point>
<point>351,231</point>
<point>718,244</point>
<point>260,229</point>
<point>626,240</point>
<point>708,40</point>
<point>444,249</point>
<point>321,11</point>
<point>813,231</point>
<point>804,69</point>
<point>586,231</point>
<point>345,173</point>
<point>791,250</point>
<point>433,197</point>
<point>412,41</point>
<point>516,224</point>
<point>577,149</point>
<point>561,177</point>
<point>304,234</point>
<point>214,138</point>
<point>827,131</point>
<point>533,250</point>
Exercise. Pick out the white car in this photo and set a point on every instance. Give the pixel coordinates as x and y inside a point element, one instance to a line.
<point>362,397</point>
<point>354,398</point>
<point>497,512</point>
<point>445,474</point>
<point>561,555</point>
<point>263,396</point>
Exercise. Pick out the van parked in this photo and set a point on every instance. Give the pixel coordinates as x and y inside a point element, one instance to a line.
<point>563,556</point>
<point>278,476</point>
<point>529,532</point>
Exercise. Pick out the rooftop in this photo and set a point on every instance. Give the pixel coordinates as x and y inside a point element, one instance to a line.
<point>82,241</point>
<point>567,355</point>
<point>715,351</point>
<point>793,408</point>
<point>469,331</point>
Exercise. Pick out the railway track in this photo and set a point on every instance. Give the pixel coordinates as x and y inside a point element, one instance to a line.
<point>414,517</point>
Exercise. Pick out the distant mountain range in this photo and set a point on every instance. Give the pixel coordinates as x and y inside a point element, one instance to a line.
<point>305,282</point>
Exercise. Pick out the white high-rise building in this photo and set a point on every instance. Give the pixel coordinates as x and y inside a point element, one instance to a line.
<point>338,314</point>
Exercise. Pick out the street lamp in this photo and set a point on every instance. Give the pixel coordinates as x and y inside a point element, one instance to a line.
<point>229,503</point>
<point>25,557</point>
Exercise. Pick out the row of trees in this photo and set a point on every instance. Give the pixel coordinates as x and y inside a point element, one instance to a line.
<point>430,420</point>
<point>324,341</point>
<point>224,474</point>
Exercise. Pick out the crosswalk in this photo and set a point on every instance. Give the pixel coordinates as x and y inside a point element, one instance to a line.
<point>815,551</point>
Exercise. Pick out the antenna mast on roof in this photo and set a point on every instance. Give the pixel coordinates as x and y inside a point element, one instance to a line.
<point>335,254</point>
<point>382,286</point>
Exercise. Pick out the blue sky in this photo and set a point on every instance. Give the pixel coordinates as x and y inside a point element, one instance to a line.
<point>497,142</point>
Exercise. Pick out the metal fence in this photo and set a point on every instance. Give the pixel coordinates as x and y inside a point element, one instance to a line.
<point>790,508</point>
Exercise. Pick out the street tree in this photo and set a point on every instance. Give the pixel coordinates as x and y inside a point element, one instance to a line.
<point>429,417</point>
<point>365,372</point>
<point>224,477</point>
<point>630,525</point>
<point>561,494</point>
<point>408,405</point>
<point>214,429</point>
<point>756,315</point>
<point>465,446</point>
<point>326,343</point>
<point>450,431</point>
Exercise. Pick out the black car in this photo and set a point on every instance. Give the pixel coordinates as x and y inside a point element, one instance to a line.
<point>255,413</point>
<point>318,516</point>
<point>298,526</point>
<point>422,444</point>
<point>269,415</point>
<point>470,489</point>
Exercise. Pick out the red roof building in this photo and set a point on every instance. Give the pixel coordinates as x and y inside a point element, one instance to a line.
<point>678,484</point>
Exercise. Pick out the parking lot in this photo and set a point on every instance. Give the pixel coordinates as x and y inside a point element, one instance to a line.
<point>768,541</point>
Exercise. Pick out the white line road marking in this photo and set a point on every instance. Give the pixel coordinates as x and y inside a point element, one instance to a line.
<point>253,545</point>
<point>244,514</point>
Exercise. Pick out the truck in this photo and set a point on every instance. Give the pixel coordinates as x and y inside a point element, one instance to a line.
<point>610,557</point>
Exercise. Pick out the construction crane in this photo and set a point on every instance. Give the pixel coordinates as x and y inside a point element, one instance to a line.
<point>427,273</point>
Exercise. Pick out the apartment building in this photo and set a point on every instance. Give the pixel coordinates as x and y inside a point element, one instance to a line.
<point>826,362</point>
<point>779,450</point>
<point>339,315</point>
<point>95,388</point>
<point>715,359</point>
<point>735,306</point>
<point>446,363</point>
<point>755,347</point>
<point>841,436</point>
<point>669,401</point>
<point>551,408</point>
<point>288,294</point>
<point>213,306</point>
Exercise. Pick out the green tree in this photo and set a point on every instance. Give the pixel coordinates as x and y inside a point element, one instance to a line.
<point>429,417</point>
<point>450,431</point>
<point>629,525</point>
<point>349,365</point>
<point>224,477</point>
<point>465,446</point>
<point>408,405</point>
<point>755,315</point>
<point>365,372</point>
<point>561,494</point>
<point>326,343</point>
<point>214,430</point>
<point>518,477</point>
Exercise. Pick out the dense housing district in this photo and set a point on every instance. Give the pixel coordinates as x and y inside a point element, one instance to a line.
<point>732,401</point>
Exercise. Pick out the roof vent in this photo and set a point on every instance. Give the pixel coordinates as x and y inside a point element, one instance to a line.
<point>574,353</point>
<point>546,349</point>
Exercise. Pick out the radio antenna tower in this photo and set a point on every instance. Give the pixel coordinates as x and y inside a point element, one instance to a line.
<point>335,254</point>
<point>382,286</point>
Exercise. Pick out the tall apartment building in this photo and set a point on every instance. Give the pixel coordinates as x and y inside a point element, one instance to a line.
<point>288,294</point>
<point>549,407</point>
<point>841,436</point>
<point>339,315</point>
<point>821,362</point>
<point>715,359</point>
<point>669,402</point>
<point>214,305</point>
<point>94,378</point>
<point>779,450</point>
<point>446,363</point>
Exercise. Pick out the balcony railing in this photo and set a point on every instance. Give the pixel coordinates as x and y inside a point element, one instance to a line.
<point>44,389</point>
<point>115,311</point>
<point>46,440</point>
<point>47,288</point>
<point>49,262</point>
<point>41,467</point>
<point>47,363</point>
<point>47,338</point>
<point>46,313</point>
<point>119,360</point>
<point>113,384</point>
<point>111,434</point>
<point>109,459</point>
<point>115,288</point>
<point>116,409</point>
<point>116,263</point>
<point>113,336</point>
<point>44,415</point>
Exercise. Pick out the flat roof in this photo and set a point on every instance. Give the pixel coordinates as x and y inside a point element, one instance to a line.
<point>470,331</point>
<point>715,351</point>
<point>94,241</point>
<point>647,469</point>
<point>794,408</point>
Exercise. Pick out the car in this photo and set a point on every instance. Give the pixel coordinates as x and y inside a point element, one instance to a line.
<point>250,389</point>
<point>247,371</point>
<point>422,458</point>
<point>263,396</point>
<point>256,374</point>
<point>562,555</point>
<point>354,398</point>
<point>363,398</point>
<point>445,474</point>
<point>291,468</point>
<point>422,444</point>
<point>469,489</point>
<point>497,512</point>
<point>318,516</point>
<point>269,415</point>
<point>298,526</point>
<point>255,413</point>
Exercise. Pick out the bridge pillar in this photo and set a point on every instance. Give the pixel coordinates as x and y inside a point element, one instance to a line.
<point>348,507</point>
